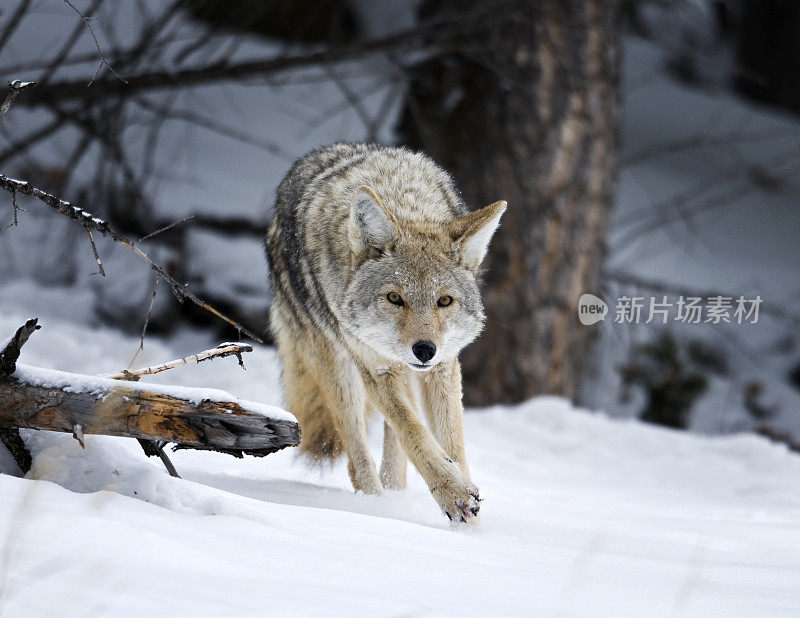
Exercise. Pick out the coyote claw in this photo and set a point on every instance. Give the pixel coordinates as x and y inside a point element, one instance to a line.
<point>458,499</point>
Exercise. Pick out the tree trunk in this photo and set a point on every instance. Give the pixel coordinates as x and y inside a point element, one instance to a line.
<point>528,112</point>
<point>769,52</point>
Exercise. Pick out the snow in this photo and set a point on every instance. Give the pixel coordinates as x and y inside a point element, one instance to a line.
<point>98,385</point>
<point>229,267</point>
<point>583,515</point>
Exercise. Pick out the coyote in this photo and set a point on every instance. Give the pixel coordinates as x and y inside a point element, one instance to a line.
<point>373,262</point>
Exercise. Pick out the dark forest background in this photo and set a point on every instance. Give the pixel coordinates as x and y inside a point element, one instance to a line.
<point>521,100</point>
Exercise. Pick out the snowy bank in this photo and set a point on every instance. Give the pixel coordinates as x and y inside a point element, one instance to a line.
<point>584,515</point>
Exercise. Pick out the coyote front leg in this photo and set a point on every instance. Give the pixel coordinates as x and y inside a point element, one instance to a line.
<point>441,398</point>
<point>393,466</point>
<point>338,378</point>
<point>450,487</point>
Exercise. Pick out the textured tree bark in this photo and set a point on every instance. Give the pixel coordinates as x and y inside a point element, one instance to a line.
<point>528,113</point>
<point>11,439</point>
<point>122,410</point>
<point>9,354</point>
<point>79,404</point>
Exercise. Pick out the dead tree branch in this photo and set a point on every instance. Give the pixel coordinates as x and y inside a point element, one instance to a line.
<point>147,319</point>
<point>434,36</point>
<point>78,404</point>
<point>64,51</point>
<point>10,352</point>
<point>699,141</point>
<point>16,446</point>
<point>154,448</point>
<point>13,22</point>
<point>57,401</point>
<point>210,124</point>
<point>163,229</point>
<point>15,88</point>
<point>103,61</point>
<point>8,365</point>
<point>100,270</point>
<point>95,224</point>
<point>221,351</point>
<point>717,191</point>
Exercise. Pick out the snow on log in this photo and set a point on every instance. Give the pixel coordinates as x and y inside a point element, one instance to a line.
<point>197,418</point>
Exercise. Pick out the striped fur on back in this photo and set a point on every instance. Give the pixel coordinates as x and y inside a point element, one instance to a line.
<point>320,184</point>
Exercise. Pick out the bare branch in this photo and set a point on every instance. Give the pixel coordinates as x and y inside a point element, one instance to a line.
<point>120,57</point>
<point>15,88</point>
<point>341,106</point>
<point>163,229</point>
<point>147,319</point>
<point>103,132</point>
<point>433,37</point>
<point>13,22</point>
<point>103,61</point>
<point>60,57</point>
<point>8,364</point>
<point>100,270</point>
<point>352,99</point>
<point>95,224</point>
<point>699,141</point>
<point>215,126</point>
<point>155,448</point>
<point>10,352</point>
<point>221,351</point>
<point>719,190</point>
<point>15,207</point>
<point>16,446</point>
<point>18,147</point>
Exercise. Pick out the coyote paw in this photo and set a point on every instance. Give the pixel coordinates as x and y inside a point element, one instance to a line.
<point>458,498</point>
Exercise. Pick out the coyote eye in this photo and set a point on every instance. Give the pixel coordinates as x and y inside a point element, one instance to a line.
<point>395,298</point>
<point>444,301</point>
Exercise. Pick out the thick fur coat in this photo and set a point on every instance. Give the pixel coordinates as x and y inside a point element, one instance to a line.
<point>373,260</point>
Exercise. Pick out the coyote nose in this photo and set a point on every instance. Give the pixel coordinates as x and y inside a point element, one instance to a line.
<point>424,350</point>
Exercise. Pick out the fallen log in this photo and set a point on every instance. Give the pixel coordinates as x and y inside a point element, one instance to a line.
<point>153,448</point>
<point>199,418</point>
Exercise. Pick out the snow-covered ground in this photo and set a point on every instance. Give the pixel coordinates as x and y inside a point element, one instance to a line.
<point>583,515</point>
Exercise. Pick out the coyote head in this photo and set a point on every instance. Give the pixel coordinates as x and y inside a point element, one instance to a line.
<point>414,295</point>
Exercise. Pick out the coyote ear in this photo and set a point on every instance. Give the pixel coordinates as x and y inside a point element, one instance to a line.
<point>473,231</point>
<point>371,225</point>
